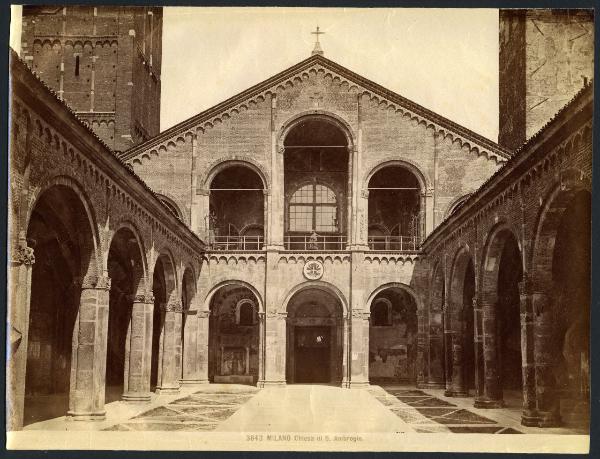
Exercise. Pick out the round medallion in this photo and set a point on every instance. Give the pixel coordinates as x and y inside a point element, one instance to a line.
<point>313,270</point>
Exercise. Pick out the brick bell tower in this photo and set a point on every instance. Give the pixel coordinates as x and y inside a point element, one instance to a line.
<point>545,58</point>
<point>104,62</point>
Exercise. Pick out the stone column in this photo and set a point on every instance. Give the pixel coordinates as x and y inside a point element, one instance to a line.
<point>346,350</point>
<point>427,212</point>
<point>275,346</point>
<point>202,342</point>
<point>88,358</point>
<point>18,330</point>
<point>361,236</point>
<point>261,349</point>
<point>492,396</point>
<point>529,416</point>
<point>359,374</point>
<point>422,368</point>
<point>139,350</point>
<point>478,344</point>
<point>200,216</point>
<point>350,200</point>
<point>448,350</point>
<point>190,359</point>
<point>266,226</point>
<point>436,356</point>
<point>548,401</point>
<point>168,368</point>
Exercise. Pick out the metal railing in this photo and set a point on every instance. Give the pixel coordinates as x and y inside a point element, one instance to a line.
<point>311,242</point>
<point>396,243</point>
<point>236,242</point>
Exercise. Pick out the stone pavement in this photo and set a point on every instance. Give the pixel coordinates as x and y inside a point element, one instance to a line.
<point>307,408</point>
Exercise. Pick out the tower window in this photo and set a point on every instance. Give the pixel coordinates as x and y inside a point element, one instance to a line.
<point>76,65</point>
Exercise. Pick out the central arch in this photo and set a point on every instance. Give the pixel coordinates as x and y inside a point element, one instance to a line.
<point>316,182</point>
<point>314,335</point>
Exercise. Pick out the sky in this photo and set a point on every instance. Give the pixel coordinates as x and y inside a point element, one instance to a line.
<point>443,59</point>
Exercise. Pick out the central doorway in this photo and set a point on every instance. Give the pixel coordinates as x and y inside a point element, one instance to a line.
<point>312,349</point>
<point>314,338</point>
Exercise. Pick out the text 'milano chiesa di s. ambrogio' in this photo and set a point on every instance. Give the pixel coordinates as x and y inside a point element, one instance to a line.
<point>316,228</point>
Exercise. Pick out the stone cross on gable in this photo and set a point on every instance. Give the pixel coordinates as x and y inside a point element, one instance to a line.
<point>317,49</point>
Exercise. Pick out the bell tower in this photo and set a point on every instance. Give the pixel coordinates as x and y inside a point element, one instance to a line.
<point>104,62</point>
<point>546,56</point>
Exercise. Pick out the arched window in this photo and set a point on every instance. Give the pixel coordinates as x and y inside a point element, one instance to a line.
<point>381,313</point>
<point>245,312</point>
<point>313,208</point>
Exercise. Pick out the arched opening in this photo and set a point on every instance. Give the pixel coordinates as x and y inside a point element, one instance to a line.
<point>233,336</point>
<point>566,236</point>
<point>393,337</point>
<point>314,337</point>
<point>462,350</point>
<point>394,203</point>
<point>503,270</point>
<point>163,286</point>
<point>60,234</point>
<point>236,201</point>
<point>125,271</point>
<point>316,185</point>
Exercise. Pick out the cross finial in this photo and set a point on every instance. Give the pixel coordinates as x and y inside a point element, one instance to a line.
<point>317,49</point>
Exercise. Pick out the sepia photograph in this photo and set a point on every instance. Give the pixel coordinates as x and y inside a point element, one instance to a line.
<point>299,229</point>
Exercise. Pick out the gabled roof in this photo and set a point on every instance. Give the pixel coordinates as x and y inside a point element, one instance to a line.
<point>314,60</point>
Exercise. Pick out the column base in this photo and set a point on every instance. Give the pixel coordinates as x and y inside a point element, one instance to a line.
<point>357,385</point>
<point>136,397</point>
<point>530,418</point>
<point>455,393</point>
<point>86,416</point>
<point>271,383</point>
<point>186,382</point>
<point>487,403</point>
<point>166,390</point>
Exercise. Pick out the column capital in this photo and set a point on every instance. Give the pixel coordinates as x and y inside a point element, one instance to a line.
<point>23,255</point>
<point>173,306</point>
<point>360,314</point>
<point>364,193</point>
<point>202,192</point>
<point>96,282</point>
<point>203,314</point>
<point>276,315</point>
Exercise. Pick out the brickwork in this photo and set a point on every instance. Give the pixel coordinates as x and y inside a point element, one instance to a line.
<point>545,58</point>
<point>104,61</point>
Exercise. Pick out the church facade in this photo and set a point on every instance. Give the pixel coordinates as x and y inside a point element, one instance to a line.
<point>318,229</point>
